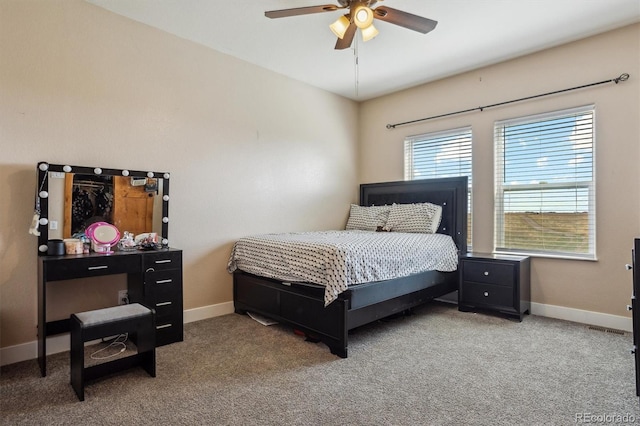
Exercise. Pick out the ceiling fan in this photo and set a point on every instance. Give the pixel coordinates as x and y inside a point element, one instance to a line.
<point>360,15</point>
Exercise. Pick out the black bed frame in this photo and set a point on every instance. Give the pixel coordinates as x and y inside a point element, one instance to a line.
<point>301,305</point>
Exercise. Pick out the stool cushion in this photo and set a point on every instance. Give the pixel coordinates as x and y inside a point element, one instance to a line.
<point>102,316</point>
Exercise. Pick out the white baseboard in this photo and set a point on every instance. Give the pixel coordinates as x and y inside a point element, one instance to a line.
<point>217,310</point>
<point>56,344</point>
<point>60,343</point>
<point>599,319</point>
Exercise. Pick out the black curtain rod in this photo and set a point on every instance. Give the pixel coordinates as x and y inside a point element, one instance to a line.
<point>623,77</point>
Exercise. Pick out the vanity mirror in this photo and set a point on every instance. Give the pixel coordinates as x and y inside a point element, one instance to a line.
<point>70,198</point>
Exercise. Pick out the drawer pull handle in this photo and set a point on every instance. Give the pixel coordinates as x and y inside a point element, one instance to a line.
<point>164,281</point>
<point>163,326</point>
<point>150,270</point>
<point>94,268</point>
<point>486,273</point>
<point>486,294</point>
<point>163,303</point>
<point>164,261</point>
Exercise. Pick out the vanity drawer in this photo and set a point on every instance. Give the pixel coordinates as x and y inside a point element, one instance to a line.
<point>163,293</point>
<point>487,294</point>
<point>162,260</point>
<point>165,308</point>
<point>489,272</point>
<point>164,298</point>
<point>164,279</point>
<point>91,266</point>
<point>169,329</point>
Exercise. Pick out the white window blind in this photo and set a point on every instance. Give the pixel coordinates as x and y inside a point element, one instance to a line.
<point>545,186</point>
<point>439,155</point>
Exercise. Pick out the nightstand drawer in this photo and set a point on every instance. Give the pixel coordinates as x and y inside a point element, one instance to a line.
<point>489,273</point>
<point>487,294</point>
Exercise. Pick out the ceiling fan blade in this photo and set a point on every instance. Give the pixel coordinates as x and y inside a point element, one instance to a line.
<point>404,19</point>
<point>283,13</point>
<point>345,42</point>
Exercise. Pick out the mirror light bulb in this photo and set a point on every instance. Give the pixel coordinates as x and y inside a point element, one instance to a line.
<point>43,166</point>
<point>165,197</point>
<point>165,242</point>
<point>43,221</point>
<point>97,170</point>
<point>125,173</point>
<point>150,174</point>
<point>166,175</point>
<point>165,219</point>
<point>43,194</point>
<point>66,169</point>
<point>43,248</point>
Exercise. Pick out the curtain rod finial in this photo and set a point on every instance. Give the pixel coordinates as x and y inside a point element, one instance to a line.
<point>623,77</point>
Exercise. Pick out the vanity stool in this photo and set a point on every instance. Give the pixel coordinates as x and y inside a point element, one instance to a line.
<point>134,319</point>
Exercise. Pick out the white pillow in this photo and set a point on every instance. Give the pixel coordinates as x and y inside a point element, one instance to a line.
<point>367,218</point>
<point>417,217</point>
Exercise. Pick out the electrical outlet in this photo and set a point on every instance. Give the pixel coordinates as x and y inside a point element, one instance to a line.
<point>123,297</point>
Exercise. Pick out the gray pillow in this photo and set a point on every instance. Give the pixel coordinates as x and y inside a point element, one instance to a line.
<point>417,217</point>
<point>367,218</point>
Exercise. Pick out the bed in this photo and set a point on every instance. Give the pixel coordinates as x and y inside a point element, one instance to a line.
<point>304,305</point>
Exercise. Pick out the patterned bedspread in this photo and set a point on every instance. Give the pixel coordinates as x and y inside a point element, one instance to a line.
<point>338,259</point>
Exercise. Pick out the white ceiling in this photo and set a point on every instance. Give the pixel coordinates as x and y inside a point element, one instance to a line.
<point>470,34</point>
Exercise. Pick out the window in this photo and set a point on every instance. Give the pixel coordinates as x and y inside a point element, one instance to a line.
<point>545,191</point>
<point>439,155</point>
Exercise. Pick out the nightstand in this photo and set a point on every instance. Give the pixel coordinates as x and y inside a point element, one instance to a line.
<point>495,282</point>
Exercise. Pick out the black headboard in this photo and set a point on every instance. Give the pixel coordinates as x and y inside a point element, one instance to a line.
<point>450,193</point>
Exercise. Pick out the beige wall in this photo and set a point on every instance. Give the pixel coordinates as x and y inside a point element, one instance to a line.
<point>245,148</point>
<point>603,286</point>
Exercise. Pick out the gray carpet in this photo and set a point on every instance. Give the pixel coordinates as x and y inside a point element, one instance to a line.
<point>436,367</point>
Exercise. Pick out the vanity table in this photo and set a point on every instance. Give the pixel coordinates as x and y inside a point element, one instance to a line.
<point>154,277</point>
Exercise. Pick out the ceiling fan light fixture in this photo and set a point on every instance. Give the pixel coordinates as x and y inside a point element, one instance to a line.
<point>339,27</point>
<point>369,33</point>
<point>362,16</point>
